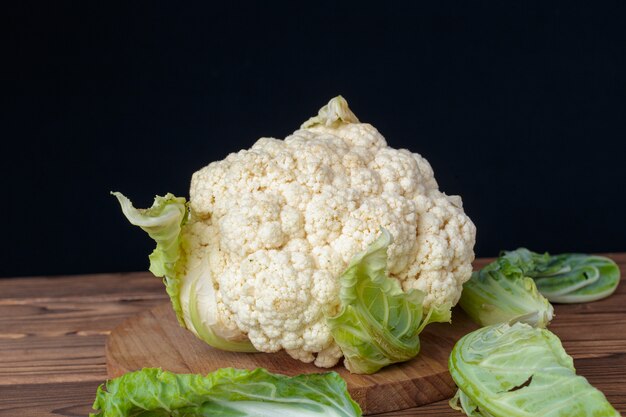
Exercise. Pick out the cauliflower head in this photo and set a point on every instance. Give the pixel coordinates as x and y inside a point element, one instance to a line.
<point>270,229</point>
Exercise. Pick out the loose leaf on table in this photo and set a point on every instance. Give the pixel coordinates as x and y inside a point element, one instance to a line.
<point>517,370</point>
<point>378,323</point>
<point>226,392</point>
<point>520,284</point>
<point>492,296</point>
<point>565,278</point>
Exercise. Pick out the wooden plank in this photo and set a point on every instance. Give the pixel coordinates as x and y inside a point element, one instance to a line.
<point>52,359</point>
<point>61,340</point>
<point>95,285</point>
<point>67,316</point>
<point>52,332</point>
<point>53,329</point>
<point>72,399</point>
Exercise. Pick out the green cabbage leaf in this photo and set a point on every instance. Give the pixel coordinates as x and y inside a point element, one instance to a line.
<point>226,392</point>
<point>492,296</point>
<point>378,323</point>
<point>518,370</point>
<point>163,222</point>
<point>565,278</point>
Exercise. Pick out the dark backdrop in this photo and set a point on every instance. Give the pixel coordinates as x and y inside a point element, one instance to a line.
<point>519,107</point>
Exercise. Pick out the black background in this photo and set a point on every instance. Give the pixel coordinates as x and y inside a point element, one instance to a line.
<point>520,108</point>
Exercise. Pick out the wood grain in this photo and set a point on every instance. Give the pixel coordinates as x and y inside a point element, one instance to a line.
<point>52,356</point>
<point>154,339</point>
<point>54,329</point>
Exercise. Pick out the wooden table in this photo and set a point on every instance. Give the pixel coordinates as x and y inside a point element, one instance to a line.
<point>52,334</point>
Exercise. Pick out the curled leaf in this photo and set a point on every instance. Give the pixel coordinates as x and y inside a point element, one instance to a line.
<point>379,324</point>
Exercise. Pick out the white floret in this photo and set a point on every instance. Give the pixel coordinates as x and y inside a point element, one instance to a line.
<point>279,222</point>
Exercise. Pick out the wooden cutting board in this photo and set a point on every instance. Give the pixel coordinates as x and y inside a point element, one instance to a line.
<point>154,339</point>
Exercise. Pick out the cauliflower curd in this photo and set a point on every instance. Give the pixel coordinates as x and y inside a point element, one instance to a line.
<point>270,229</point>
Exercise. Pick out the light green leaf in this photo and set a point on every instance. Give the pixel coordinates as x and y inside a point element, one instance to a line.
<point>568,277</point>
<point>226,392</point>
<point>491,297</point>
<point>520,284</point>
<point>163,223</point>
<point>378,324</point>
<point>517,370</point>
<point>332,114</point>
<point>462,402</point>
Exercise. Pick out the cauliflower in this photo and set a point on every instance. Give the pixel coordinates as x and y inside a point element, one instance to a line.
<point>271,229</point>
